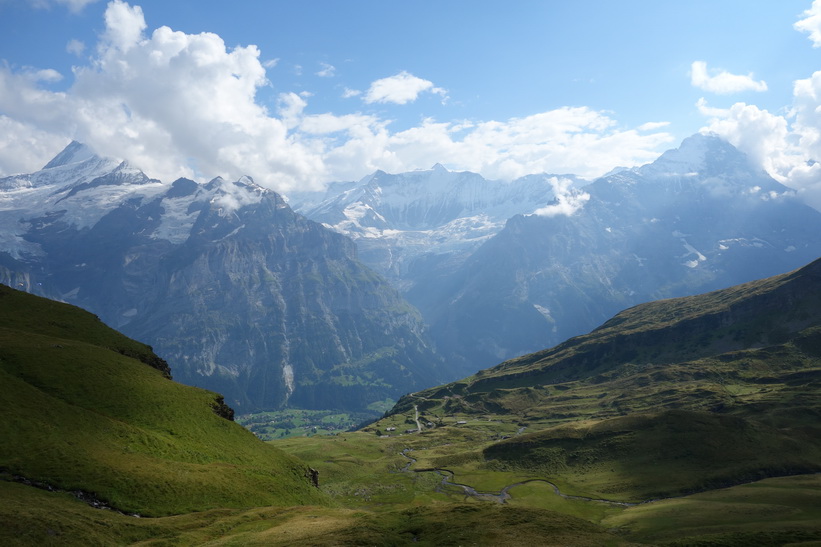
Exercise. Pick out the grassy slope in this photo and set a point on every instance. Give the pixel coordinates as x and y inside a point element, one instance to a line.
<point>78,415</point>
<point>667,332</point>
<point>33,517</point>
<point>670,453</point>
<point>778,511</point>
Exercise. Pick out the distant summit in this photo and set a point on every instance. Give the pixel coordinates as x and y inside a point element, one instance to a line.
<point>699,153</point>
<point>75,152</point>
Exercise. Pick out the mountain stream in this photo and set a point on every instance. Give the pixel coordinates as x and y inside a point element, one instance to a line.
<point>448,487</point>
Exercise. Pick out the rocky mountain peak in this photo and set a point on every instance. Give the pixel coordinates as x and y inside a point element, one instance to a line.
<point>75,152</point>
<point>699,154</point>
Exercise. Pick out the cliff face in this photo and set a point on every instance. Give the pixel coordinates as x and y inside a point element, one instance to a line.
<point>236,291</point>
<point>271,308</point>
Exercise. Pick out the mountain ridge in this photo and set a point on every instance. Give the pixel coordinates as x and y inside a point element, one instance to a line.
<point>748,317</point>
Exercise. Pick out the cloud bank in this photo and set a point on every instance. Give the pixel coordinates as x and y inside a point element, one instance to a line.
<point>178,104</point>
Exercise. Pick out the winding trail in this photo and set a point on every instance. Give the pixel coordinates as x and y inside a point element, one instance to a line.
<point>448,487</point>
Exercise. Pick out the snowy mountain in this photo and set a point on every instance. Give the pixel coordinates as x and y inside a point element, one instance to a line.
<point>236,291</point>
<point>403,223</point>
<point>699,218</point>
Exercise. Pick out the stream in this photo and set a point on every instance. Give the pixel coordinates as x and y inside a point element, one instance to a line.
<point>448,487</point>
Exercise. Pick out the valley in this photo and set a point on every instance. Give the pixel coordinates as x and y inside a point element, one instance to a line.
<point>447,274</point>
<point>334,412</point>
<point>699,427</point>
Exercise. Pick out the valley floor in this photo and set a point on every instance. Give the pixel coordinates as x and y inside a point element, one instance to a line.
<point>432,489</point>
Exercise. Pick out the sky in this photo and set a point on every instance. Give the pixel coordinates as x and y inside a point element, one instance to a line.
<point>297,94</point>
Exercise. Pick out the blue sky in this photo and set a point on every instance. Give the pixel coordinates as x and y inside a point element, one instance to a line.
<point>296,94</point>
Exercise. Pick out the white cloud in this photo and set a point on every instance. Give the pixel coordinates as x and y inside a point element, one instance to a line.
<point>324,124</point>
<point>327,71</point>
<point>178,104</point>
<point>760,134</point>
<point>568,199</point>
<point>787,146</point>
<point>401,88</point>
<point>722,82</point>
<point>75,47</point>
<point>124,25</point>
<point>565,140</point>
<point>652,126</point>
<point>347,93</point>
<point>291,106</point>
<point>811,23</point>
<point>24,147</point>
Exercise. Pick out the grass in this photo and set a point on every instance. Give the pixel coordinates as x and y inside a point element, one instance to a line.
<point>665,454</point>
<point>80,416</point>
<point>778,511</point>
<point>295,422</point>
<point>34,517</point>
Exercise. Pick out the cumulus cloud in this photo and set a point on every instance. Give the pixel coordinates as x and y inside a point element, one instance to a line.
<point>568,199</point>
<point>178,104</point>
<point>124,25</point>
<point>401,88</point>
<point>788,146</point>
<point>760,134</point>
<point>721,81</point>
<point>811,23</point>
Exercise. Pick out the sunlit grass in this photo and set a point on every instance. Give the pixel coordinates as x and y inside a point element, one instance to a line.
<point>778,510</point>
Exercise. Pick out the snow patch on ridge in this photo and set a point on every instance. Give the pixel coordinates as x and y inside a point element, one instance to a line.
<point>176,222</point>
<point>697,259</point>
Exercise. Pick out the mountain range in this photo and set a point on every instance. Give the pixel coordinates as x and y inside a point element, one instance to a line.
<point>399,281</point>
<point>399,221</point>
<point>500,270</point>
<point>223,279</point>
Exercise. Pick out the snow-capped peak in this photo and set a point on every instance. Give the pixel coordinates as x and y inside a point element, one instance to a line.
<point>75,152</point>
<point>698,154</point>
